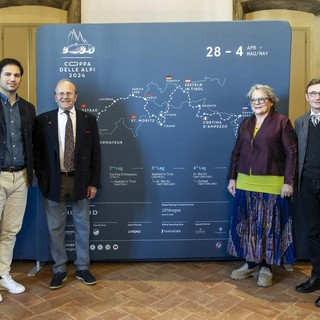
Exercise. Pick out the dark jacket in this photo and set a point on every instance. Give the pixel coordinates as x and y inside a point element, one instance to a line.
<point>273,151</point>
<point>28,115</point>
<point>302,129</point>
<point>87,156</point>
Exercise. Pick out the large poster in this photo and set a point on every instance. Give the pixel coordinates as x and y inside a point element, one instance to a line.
<point>169,98</point>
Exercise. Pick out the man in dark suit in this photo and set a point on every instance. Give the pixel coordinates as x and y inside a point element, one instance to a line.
<point>60,180</point>
<point>308,132</point>
<point>16,165</point>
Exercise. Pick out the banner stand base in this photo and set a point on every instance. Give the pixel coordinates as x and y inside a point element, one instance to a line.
<point>36,268</point>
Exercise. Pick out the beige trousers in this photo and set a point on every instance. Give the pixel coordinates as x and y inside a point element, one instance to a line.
<point>13,200</point>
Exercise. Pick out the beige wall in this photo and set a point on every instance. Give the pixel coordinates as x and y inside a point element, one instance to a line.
<point>32,14</point>
<point>315,71</point>
<point>305,58</point>
<point>117,11</point>
<point>18,27</point>
<point>297,19</point>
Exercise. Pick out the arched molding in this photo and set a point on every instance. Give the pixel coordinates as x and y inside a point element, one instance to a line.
<point>242,7</point>
<point>73,7</point>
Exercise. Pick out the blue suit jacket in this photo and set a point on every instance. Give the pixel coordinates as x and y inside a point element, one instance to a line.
<point>87,156</point>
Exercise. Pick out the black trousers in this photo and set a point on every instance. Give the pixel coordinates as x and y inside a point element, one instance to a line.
<point>310,194</point>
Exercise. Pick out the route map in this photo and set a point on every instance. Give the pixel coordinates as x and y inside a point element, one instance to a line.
<point>153,104</point>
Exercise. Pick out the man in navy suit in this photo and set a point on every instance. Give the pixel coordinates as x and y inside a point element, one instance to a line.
<point>308,132</point>
<point>58,182</point>
<point>16,165</point>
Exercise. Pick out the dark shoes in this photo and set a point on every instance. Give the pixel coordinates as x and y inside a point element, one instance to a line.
<point>57,280</point>
<point>86,277</point>
<point>83,275</point>
<point>310,285</point>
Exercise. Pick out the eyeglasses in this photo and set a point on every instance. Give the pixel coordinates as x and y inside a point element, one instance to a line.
<point>313,94</point>
<point>62,94</point>
<point>258,100</point>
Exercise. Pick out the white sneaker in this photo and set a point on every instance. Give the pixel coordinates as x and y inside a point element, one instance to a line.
<point>244,272</point>
<point>0,298</point>
<point>7,283</point>
<point>265,277</point>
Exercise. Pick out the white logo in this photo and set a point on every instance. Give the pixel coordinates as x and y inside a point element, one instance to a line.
<point>218,245</point>
<point>76,44</point>
<point>96,232</point>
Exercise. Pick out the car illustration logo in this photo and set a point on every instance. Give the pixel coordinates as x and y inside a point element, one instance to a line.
<point>76,44</point>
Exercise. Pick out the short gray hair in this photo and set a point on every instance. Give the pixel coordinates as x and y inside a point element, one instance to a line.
<point>267,90</point>
<point>66,80</point>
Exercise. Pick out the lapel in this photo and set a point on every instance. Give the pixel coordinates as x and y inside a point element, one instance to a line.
<point>81,125</point>
<point>52,129</point>
<point>2,119</point>
<point>305,126</point>
<point>23,113</point>
<point>251,125</point>
<point>264,126</point>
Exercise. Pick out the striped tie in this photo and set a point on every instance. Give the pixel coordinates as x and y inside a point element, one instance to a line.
<point>315,119</point>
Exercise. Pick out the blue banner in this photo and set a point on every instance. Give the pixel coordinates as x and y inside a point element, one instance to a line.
<point>169,98</point>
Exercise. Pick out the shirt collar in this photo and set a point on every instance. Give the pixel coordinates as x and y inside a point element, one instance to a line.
<point>61,111</point>
<point>312,113</point>
<point>6,100</point>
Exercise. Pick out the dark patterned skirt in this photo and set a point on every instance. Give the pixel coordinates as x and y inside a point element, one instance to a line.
<point>261,228</point>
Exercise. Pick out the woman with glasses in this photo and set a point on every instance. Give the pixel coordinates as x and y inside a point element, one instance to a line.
<point>261,178</point>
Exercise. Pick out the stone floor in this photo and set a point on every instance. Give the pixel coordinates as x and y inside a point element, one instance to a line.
<point>160,290</point>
